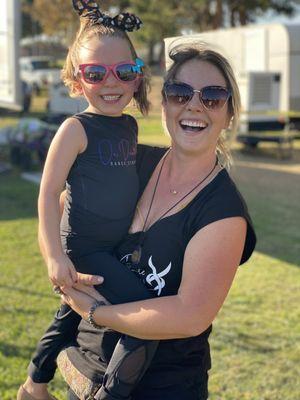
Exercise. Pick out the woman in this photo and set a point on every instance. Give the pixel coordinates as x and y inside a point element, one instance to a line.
<point>190,232</point>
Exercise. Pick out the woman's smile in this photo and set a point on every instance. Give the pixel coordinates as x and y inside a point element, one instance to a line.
<point>192,125</point>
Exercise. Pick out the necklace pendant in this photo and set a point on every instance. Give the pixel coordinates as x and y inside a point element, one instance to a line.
<point>136,255</point>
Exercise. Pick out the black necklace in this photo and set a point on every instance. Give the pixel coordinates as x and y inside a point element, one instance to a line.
<point>137,253</point>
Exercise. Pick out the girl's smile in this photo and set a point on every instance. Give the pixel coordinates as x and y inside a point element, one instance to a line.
<point>111,96</point>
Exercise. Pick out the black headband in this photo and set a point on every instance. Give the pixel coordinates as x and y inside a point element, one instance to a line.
<point>90,9</point>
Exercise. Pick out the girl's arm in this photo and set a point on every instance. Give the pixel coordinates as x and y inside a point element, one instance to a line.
<point>62,199</point>
<point>210,264</point>
<point>69,141</point>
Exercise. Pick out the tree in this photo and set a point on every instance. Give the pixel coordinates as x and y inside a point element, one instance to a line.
<point>210,14</point>
<point>243,12</point>
<point>161,18</point>
<point>55,16</point>
<point>30,27</point>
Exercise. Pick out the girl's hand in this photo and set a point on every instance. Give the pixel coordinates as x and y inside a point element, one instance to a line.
<point>80,302</point>
<point>61,271</point>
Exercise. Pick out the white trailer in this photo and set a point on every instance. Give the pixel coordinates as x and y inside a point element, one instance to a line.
<point>16,85</point>
<point>266,61</point>
<point>11,95</point>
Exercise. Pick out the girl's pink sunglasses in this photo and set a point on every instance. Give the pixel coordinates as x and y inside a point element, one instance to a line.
<point>124,72</point>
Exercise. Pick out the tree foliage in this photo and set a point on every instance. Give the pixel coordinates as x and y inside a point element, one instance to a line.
<point>161,18</point>
<point>55,17</point>
<point>30,27</point>
<point>246,11</point>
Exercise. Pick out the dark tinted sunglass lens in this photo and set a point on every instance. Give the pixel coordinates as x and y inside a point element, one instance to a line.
<point>94,73</point>
<point>178,94</point>
<point>214,98</point>
<point>125,72</point>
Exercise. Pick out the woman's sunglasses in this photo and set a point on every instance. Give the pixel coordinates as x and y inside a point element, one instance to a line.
<point>211,97</point>
<point>124,72</point>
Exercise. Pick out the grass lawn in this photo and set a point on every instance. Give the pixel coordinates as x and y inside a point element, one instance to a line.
<point>256,337</point>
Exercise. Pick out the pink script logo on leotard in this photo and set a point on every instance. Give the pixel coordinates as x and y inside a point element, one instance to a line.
<point>117,153</point>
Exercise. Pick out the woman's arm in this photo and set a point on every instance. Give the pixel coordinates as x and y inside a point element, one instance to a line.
<point>210,263</point>
<point>67,143</point>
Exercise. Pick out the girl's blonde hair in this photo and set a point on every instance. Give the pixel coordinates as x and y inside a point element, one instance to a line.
<point>184,53</point>
<point>86,32</point>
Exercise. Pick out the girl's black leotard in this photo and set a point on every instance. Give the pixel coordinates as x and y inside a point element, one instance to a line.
<point>102,186</point>
<point>102,190</point>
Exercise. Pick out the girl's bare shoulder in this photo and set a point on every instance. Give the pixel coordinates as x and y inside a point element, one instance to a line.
<point>72,130</point>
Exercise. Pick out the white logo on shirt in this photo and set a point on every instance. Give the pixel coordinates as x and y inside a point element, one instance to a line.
<point>126,258</point>
<point>157,277</point>
<point>152,277</point>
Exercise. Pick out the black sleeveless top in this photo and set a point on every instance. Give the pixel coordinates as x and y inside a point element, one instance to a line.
<point>160,269</point>
<point>102,185</point>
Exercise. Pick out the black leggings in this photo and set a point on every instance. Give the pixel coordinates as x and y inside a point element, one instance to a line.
<point>131,356</point>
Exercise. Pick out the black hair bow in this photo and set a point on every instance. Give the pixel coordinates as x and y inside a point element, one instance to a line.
<point>90,9</point>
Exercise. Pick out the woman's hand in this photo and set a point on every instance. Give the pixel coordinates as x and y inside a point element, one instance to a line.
<point>81,299</point>
<point>88,280</point>
<point>90,291</point>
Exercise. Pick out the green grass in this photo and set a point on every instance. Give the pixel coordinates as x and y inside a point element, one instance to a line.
<point>256,338</point>
<point>26,301</point>
<point>255,345</point>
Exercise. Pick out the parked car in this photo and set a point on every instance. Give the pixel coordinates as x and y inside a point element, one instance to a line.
<point>38,72</point>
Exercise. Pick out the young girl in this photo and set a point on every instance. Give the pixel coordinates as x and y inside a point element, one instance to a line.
<point>94,154</point>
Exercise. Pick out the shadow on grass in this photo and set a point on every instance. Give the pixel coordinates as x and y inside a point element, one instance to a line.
<point>272,195</point>
<point>26,291</point>
<point>249,343</point>
<point>16,351</point>
<point>18,197</point>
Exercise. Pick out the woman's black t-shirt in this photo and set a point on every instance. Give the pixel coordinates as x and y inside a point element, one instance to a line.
<point>160,268</point>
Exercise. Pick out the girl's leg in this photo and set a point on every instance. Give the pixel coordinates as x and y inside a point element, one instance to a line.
<point>120,286</point>
<point>62,330</point>
<point>131,356</point>
<point>43,364</point>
